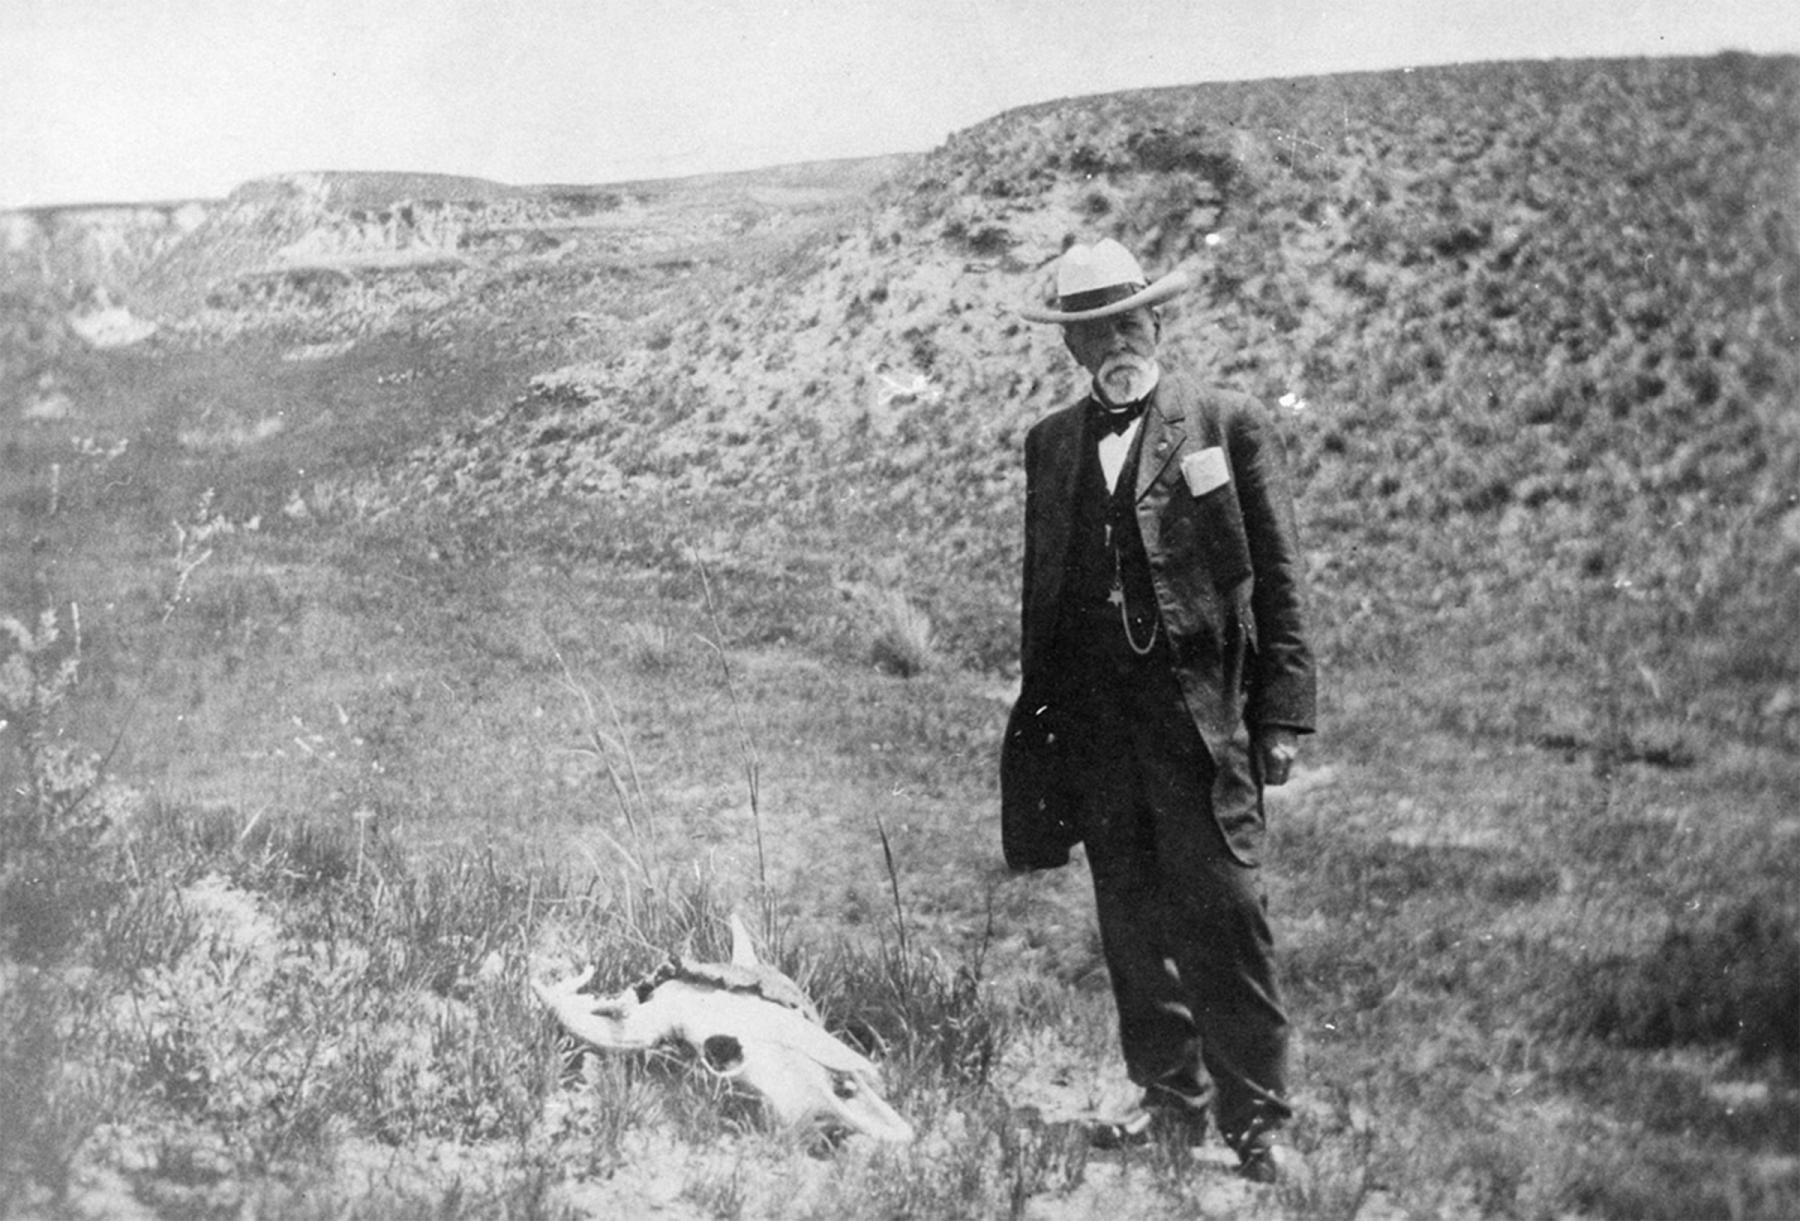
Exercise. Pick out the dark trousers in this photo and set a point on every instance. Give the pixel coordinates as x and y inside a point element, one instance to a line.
<point>1184,927</point>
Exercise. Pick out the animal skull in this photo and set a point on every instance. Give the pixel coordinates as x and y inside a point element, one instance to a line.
<point>806,1078</point>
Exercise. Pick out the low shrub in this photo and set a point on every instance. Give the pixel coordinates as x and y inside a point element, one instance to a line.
<point>1161,151</point>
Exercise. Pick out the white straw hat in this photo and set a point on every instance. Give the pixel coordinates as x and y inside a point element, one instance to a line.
<point>1101,280</point>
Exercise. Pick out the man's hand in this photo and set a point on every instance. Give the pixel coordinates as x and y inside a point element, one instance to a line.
<point>1276,748</point>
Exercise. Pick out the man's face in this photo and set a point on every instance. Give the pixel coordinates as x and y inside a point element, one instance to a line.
<point>1119,351</point>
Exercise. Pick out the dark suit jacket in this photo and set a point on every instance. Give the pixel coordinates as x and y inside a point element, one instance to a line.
<point>1227,571</point>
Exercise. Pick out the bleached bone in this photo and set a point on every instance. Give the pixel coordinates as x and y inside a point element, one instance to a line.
<point>747,1022</point>
<point>917,388</point>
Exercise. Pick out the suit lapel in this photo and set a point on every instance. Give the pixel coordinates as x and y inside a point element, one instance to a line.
<point>1161,438</point>
<point>1063,456</point>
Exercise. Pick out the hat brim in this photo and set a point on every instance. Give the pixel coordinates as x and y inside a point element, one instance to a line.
<point>1171,285</point>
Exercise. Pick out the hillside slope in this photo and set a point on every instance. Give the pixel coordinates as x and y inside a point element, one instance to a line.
<point>325,258</point>
<point>1533,328</point>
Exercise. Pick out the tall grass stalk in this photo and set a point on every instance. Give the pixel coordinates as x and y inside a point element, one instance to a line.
<point>614,754</point>
<point>752,758</point>
<point>893,874</point>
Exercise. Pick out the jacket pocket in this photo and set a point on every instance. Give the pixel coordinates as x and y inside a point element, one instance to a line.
<point>1208,532</point>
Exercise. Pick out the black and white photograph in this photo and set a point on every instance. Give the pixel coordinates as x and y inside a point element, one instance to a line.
<point>869,610</point>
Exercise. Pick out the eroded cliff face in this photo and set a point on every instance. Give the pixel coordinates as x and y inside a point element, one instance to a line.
<point>315,262</point>
<point>160,261</point>
<point>341,255</point>
<point>82,246</point>
<point>67,278</point>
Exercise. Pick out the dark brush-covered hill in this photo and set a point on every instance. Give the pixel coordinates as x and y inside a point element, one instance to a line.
<point>1532,327</point>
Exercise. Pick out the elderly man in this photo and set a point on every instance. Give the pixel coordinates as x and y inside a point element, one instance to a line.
<point>1167,679</point>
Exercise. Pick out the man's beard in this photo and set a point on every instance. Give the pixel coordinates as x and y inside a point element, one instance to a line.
<point>1125,377</point>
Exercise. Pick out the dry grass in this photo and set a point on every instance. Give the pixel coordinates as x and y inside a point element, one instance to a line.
<point>1441,913</point>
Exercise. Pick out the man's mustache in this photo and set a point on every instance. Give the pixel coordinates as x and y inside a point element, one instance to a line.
<point>1129,363</point>
<point>1124,360</point>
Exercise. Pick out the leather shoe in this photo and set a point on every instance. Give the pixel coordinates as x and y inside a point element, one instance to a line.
<point>1126,1128</point>
<point>1137,1120</point>
<point>1274,1163</point>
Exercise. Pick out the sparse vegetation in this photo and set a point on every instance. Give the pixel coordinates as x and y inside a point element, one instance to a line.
<point>902,641</point>
<point>482,654</point>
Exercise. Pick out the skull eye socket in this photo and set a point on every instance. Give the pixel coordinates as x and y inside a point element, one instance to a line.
<point>722,1053</point>
<point>844,1085</point>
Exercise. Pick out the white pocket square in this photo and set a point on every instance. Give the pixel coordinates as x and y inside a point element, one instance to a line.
<point>1205,470</point>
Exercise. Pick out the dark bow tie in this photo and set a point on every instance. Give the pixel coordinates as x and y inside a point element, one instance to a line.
<point>1114,420</point>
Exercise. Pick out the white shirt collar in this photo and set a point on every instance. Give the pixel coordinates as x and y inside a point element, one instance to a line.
<point>1113,449</point>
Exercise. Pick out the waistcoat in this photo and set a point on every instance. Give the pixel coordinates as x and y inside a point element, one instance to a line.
<point>1090,564</point>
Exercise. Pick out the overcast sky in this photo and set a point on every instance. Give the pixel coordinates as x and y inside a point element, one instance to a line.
<point>165,99</point>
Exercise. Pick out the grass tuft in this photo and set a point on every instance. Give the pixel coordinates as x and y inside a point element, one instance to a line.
<point>902,639</point>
